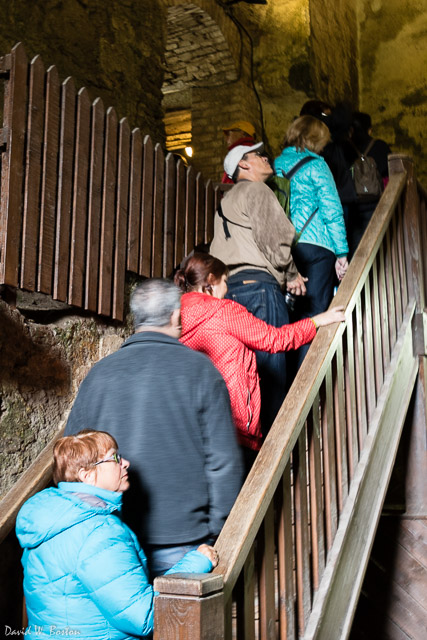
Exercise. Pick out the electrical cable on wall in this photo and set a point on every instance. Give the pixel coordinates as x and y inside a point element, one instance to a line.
<point>228,9</point>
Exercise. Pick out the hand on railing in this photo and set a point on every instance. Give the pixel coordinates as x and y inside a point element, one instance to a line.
<point>210,553</point>
<point>336,314</point>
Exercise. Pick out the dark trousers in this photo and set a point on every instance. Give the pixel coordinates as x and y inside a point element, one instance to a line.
<point>264,299</point>
<point>318,265</point>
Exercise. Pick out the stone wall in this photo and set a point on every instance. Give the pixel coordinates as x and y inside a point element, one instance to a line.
<point>45,352</point>
<point>393,60</point>
<point>109,47</point>
<point>281,38</point>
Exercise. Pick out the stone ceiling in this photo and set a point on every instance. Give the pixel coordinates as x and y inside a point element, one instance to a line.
<point>196,51</point>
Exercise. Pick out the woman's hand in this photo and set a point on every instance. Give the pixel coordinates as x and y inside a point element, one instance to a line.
<point>336,314</point>
<point>341,266</point>
<point>210,553</point>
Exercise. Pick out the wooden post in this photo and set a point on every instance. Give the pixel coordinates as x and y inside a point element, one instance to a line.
<point>397,164</point>
<point>416,421</point>
<point>189,607</point>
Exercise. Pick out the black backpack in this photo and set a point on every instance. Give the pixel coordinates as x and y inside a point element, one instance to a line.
<point>366,177</point>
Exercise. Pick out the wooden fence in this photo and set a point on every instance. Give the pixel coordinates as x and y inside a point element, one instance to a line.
<point>294,549</point>
<point>83,198</point>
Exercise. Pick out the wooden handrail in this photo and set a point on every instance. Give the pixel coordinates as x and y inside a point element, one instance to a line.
<point>242,525</point>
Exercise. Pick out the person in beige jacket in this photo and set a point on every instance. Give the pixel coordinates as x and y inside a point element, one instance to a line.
<point>253,236</point>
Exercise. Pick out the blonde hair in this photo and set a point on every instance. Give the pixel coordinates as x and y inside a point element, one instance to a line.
<point>72,453</point>
<point>307,132</point>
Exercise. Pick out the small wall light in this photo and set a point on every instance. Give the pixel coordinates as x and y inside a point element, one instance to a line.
<point>189,151</point>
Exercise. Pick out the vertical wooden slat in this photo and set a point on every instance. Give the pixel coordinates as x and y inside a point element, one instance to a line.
<point>329,461</point>
<point>121,220</point>
<point>108,214</point>
<point>147,208</point>
<point>401,257</point>
<point>49,182</point>
<point>200,211</point>
<point>78,247</point>
<point>350,393</point>
<point>12,163</point>
<point>190,212</point>
<point>180,212</point>
<point>244,594</point>
<point>316,493</point>
<point>376,318</point>
<point>33,162</point>
<point>266,577</point>
<point>158,212</point>
<point>134,224</point>
<point>65,177</point>
<point>360,374</point>
<point>209,212</point>
<point>302,545</point>
<point>249,596</point>
<point>94,204</point>
<point>384,309</point>
<point>285,553</point>
<point>390,287</point>
<point>170,199</point>
<point>396,271</point>
<point>371,396</point>
<point>228,620</point>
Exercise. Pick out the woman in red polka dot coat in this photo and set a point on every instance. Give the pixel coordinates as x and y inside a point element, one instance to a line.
<point>227,333</point>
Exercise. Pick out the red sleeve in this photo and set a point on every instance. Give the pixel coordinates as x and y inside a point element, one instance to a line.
<point>257,334</point>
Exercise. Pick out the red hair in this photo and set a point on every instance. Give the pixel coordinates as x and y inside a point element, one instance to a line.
<point>72,453</point>
<point>200,270</point>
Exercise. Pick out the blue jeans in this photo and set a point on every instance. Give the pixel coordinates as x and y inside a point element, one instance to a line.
<point>318,265</point>
<point>261,295</point>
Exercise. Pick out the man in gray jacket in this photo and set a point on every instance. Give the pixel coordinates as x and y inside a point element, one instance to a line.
<point>253,236</point>
<point>169,410</point>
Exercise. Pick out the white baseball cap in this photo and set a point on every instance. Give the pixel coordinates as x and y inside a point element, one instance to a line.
<point>234,156</point>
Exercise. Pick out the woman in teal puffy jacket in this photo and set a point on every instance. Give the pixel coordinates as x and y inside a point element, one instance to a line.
<point>316,211</point>
<point>85,574</point>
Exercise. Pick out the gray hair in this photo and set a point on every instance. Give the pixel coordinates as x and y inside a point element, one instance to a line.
<point>153,302</point>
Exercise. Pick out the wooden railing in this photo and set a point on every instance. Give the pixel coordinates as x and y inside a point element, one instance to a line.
<point>83,198</point>
<point>294,549</point>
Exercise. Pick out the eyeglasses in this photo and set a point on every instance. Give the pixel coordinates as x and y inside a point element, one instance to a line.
<point>116,457</point>
<point>253,153</point>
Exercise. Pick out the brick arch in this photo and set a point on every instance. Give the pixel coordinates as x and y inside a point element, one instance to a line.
<point>207,81</point>
<point>222,22</point>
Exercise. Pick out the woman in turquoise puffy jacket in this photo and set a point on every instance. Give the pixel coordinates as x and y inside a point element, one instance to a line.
<point>315,210</point>
<point>85,574</point>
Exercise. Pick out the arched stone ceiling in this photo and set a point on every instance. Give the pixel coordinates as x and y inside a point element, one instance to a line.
<point>196,51</point>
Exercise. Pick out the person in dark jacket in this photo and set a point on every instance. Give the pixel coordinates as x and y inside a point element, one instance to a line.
<point>169,410</point>
<point>361,210</point>
<point>85,574</point>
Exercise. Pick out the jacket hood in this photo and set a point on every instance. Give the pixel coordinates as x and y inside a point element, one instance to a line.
<point>52,510</point>
<point>196,309</point>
